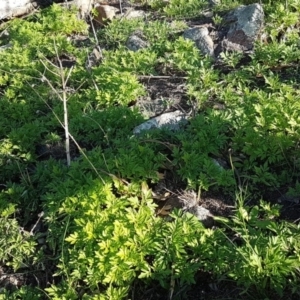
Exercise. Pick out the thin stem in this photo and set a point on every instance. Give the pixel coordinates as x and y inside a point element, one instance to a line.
<point>64,98</point>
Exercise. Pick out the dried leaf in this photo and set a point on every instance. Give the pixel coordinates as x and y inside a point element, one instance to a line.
<point>165,210</point>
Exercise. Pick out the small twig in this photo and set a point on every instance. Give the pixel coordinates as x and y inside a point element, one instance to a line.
<point>37,280</point>
<point>95,36</point>
<point>64,82</point>
<point>97,46</point>
<point>170,146</point>
<point>44,78</point>
<point>104,133</point>
<point>94,31</point>
<point>121,10</point>
<point>296,220</point>
<point>172,285</point>
<point>36,223</point>
<point>46,67</point>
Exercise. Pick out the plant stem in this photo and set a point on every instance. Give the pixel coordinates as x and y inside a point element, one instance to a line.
<point>66,127</point>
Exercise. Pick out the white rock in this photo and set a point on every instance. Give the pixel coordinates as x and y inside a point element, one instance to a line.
<point>15,8</point>
<point>134,14</point>
<point>84,7</point>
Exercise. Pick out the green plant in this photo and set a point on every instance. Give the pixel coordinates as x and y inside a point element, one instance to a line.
<point>103,232</point>
<point>231,59</point>
<point>114,87</point>
<point>184,8</point>
<point>268,251</point>
<point>182,55</point>
<point>108,245</point>
<point>115,257</point>
<point>118,31</point>
<point>25,293</point>
<point>17,245</point>
<point>294,191</point>
<point>202,140</point>
<point>217,19</point>
<point>141,62</point>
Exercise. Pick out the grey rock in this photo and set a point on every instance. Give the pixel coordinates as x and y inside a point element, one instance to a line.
<point>208,14</point>
<point>203,41</point>
<point>135,43</point>
<point>171,120</point>
<point>195,33</point>
<point>94,58</point>
<point>245,23</point>
<point>206,45</point>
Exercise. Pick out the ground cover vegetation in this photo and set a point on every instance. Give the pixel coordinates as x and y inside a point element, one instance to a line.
<point>89,228</point>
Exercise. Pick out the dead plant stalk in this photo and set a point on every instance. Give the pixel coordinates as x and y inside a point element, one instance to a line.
<point>63,97</point>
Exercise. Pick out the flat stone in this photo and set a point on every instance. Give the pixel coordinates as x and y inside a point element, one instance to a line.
<point>172,120</point>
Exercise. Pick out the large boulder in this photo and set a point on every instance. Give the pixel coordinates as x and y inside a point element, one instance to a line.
<point>245,23</point>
